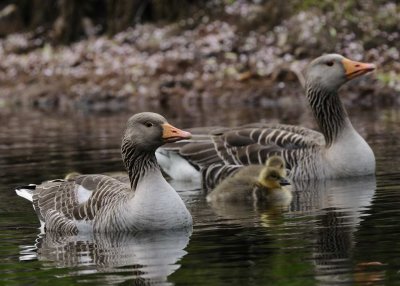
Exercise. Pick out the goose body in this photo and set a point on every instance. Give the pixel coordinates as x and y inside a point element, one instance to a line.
<point>101,203</point>
<point>255,183</point>
<point>335,152</point>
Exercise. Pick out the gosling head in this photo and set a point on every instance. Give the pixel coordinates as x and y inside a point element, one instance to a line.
<point>278,163</point>
<point>71,175</point>
<point>272,176</point>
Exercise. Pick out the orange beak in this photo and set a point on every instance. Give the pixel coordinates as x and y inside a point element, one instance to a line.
<point>173,134</point>
<point>354,69</point>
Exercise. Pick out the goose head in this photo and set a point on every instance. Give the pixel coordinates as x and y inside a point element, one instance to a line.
<point>272,176</point>
<point>331,71</point>
<point>147,131</point>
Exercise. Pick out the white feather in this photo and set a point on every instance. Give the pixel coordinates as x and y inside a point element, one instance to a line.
<point>177,167</point>
<point>83,194</point>
<point>25,193</point>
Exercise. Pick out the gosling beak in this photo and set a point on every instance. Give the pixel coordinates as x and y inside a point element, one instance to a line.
<point>354,69</point>
<point>284,182</point>
<point>173,134</point>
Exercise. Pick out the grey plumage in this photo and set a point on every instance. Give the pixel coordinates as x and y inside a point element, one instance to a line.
<point>337,151</point>
<point>101,203</point>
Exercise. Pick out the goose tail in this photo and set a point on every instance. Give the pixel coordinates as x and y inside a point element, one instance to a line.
<point>26,191</point>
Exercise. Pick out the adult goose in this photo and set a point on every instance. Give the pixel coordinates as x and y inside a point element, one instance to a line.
<point>338,151</point>
<point>100,203</point>
<point>255,183</point>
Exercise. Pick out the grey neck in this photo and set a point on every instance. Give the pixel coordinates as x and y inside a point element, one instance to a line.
<point>137,162</point>
<point>328,110</point>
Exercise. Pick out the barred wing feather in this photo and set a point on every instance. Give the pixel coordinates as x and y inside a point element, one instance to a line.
<point>60,203</point>
<point>249,144</point>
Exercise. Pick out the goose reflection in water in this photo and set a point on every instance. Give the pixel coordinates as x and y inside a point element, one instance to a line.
<point>326,213</point>
<point>145,256</point>
<point>339,206</point>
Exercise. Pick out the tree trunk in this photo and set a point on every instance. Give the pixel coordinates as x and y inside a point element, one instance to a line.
<point>121,14</point>
<point>68,26</point>
<point>169,10</point>
<point>10,20</point>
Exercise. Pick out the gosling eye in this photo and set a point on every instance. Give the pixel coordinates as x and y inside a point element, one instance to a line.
<point>329,64</point>
<point>148,124</point>
<point>274,177</point>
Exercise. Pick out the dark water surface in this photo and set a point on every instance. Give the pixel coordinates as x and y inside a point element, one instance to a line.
<point>334,232</point>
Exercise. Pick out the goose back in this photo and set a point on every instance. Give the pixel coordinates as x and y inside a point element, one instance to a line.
<point>249,144</point>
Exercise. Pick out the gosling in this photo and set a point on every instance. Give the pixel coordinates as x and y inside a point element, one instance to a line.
<point>255,183</point>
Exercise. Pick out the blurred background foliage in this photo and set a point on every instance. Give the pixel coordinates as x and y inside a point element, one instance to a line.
<point>64,21</point>
<point>182,46</point>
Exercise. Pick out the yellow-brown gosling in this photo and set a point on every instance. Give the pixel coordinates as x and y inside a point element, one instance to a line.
<point>260,183</point>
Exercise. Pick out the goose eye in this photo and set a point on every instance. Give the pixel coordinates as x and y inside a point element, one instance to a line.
<point>148,124</point>
<point>329,64</point>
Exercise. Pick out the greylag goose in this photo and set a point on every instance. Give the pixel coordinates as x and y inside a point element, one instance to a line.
<point>100,203</point>
<point>255,183</point>
<point>338,151</point>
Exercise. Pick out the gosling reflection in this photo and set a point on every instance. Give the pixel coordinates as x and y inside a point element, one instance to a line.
<point>246,214</point>
<point>149,256</point>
